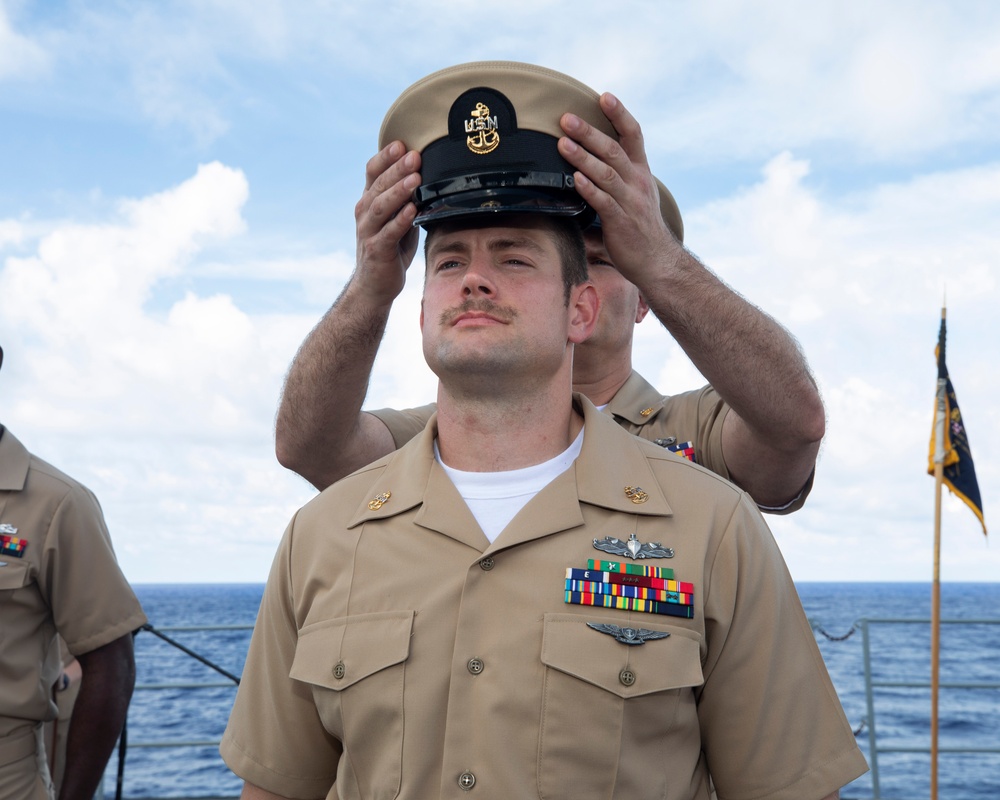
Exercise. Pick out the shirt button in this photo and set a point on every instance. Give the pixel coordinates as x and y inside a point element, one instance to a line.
<point>476,665</point>
<point>340,670</point>
<point>466,781</point>
<point>627,677</point>
<point>487,563</point>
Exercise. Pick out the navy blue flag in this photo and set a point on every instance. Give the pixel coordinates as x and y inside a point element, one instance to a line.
<point>959,471</point>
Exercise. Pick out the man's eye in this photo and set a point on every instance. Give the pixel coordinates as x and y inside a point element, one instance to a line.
<point>447,265</point>
<point>600,262</point>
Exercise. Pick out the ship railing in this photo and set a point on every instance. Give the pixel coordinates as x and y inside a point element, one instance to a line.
<point>872,684</point>
<point>114,774</point>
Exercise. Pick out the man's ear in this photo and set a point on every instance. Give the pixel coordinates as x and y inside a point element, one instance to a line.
<point>641,310</point>
<point>584,305</point>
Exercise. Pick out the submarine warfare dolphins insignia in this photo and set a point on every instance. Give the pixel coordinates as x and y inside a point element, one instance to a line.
<point>628,635</point>
<point>633,548</point>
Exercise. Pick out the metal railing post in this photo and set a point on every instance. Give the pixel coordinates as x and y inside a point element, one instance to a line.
<point>870,701</point>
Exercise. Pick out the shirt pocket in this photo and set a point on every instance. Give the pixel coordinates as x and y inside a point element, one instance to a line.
<point>355,667</point>
<point>609,709</point>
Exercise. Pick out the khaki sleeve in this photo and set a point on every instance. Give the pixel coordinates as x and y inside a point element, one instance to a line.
<point>274,738</point>
<point>695,417</point>
<point>772,724</point>
<point>698,416</point>
<point>91,601</point>
<point>406,424</point>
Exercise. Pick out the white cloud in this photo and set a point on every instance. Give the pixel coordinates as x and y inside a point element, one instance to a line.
<point>165,414</point>
<point>859,281</point>
<point>725,80</point>
<point>91,281</point>
<point>732,80</point>
<point>77,308</point>
<point>146,339</point>
<point>11,233</point>
<point>20,57</point>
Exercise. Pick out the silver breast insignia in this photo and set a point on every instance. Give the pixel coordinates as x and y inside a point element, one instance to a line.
<point>633,548</point>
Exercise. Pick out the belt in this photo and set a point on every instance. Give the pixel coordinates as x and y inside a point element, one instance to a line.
<point>14,748</point>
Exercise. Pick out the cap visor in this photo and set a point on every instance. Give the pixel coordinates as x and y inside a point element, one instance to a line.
<point>502,201</point>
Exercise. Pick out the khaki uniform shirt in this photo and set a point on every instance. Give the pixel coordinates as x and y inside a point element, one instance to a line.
<point>398,653</point>
<point>688,423</point>
<point>64,579</point>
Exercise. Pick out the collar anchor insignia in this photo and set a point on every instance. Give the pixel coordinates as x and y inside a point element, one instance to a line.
<point>633,548</point>
<point>636,494</point>
<point>379,500</point>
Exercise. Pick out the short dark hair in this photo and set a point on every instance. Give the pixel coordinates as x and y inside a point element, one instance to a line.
<point>565,231</point>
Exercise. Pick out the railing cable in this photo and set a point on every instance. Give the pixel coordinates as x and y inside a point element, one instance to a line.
<point>194,655</point>
<point>123,738</point>
<point>833,638</point>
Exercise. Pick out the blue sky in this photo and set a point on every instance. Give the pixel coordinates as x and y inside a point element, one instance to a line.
<point>177,184</point>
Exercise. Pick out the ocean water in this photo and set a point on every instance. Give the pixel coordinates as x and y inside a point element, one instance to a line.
<point>969,717</point>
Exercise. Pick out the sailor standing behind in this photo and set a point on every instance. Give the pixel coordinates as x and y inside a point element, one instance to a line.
<point>58,575</point>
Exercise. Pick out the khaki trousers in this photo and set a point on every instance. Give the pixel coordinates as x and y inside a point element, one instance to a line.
<point>24,773</point>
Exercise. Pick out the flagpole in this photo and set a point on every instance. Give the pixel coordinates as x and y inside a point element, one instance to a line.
<point>939,453</point>
<point>936,626</point>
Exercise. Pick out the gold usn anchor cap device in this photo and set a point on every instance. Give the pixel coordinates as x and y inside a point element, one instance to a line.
<point>487,133</point>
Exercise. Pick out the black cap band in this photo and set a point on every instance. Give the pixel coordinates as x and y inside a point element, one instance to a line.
<point>486,164</point>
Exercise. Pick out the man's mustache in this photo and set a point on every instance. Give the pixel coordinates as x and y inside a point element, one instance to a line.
<point>498,312</point>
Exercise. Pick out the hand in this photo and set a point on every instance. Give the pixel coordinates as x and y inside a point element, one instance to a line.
<point>387,240</point>
<point>615,179</point>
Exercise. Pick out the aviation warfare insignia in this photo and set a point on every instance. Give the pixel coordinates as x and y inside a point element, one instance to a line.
<point>633,548</point>
<point>483,130</point>
<point>628,635</point>
<point>379,500</point>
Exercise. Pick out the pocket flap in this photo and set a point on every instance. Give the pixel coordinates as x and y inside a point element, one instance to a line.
<point>572,647</point>
<point>338,653</point>
<point>13,575</point>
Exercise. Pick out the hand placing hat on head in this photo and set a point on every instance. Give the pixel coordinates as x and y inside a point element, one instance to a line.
<point>487,133</point>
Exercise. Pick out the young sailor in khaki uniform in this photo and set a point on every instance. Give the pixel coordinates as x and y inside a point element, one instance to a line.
<point>760,422</point>
<point>525,600</point>
<point>58,574</point>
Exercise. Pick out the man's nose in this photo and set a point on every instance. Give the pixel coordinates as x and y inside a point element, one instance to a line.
<point>478,280</point>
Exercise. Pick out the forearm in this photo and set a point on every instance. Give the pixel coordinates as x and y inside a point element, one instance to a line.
<point>98,716</point>
<point>751,360</point>
<point>772,435</point>
<point>320,432</point>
